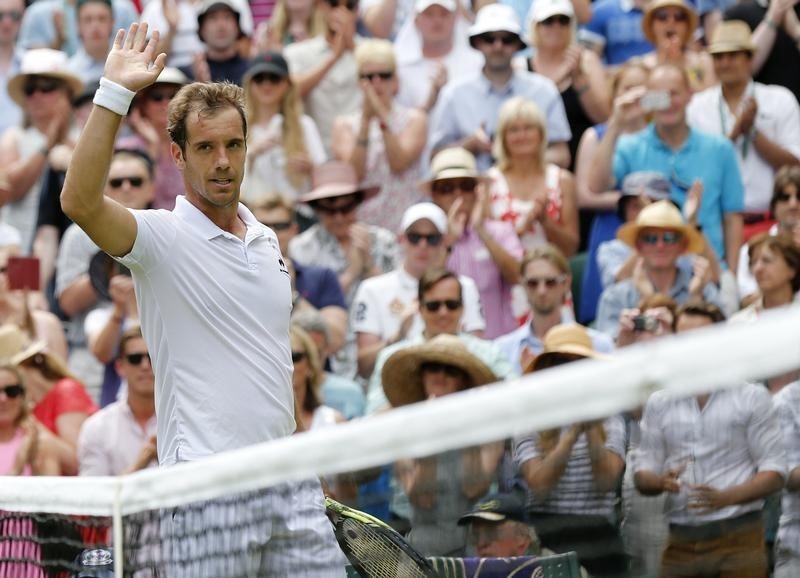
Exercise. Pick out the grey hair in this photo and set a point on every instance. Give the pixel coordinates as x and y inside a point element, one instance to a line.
<point>312,322</point>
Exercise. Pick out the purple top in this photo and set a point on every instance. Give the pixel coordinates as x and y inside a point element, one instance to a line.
<point>168,179</point>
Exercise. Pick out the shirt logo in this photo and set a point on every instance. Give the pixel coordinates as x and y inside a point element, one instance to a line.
<point>282,265</point>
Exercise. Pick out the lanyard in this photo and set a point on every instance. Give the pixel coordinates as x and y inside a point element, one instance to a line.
<point>746,138</point>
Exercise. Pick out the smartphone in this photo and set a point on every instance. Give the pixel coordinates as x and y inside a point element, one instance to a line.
<point>655,100</point>
<point>23,273</point>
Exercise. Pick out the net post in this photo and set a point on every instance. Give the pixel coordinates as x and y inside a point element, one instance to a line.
<point>116,529</point>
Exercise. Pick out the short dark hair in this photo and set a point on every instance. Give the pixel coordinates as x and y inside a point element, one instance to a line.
<point>207,98</point>
<point>139,155</point>
<point>786,175</point>
<point>700,308</point>
<point>434,276</point>
<point>129,335</point>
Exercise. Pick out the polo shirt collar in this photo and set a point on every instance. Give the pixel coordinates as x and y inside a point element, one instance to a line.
<point>653,137</point>
<point>489,89</point>
<point>186,211</point>
<point>406,280</point>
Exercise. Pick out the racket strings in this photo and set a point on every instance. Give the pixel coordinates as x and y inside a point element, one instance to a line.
<point>377,553</point>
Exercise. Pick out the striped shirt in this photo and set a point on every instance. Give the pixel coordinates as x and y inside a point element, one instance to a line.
<point>575,492</point>
<point>787,402</point>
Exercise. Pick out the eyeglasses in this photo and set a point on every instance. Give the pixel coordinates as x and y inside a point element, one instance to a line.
<point>155,96</point>
<point>351,5</point>
<point>448,370</point>
<point>13,391</point>
<point>270,77</point>
<point>506,39</point>
<point>340,210</point>
<point>667,237</point>
<point>549,282</point>
<point>784,197</point>
<point>278,225</point>
<point>561,19</point>
<point>298,356</point>
<point>43,85</point>
<point>436,305</point>
<point>388,75</point>
<point>117,182</point>
<point>13,15</point>
<point>677,16</point>
<point>433,239</point>
<point>136,358</point>
<point>449,186</point>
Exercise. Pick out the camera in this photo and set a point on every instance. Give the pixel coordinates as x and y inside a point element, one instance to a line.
<point>645,323</point>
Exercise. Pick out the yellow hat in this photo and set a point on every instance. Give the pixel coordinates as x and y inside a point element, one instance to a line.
<point>731,36</point>
<point>661,215</point>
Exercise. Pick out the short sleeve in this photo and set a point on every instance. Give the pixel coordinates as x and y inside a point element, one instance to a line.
<point>330,292</point>
<point>732,185</point>
<point>316,152</point>
<point>365,317</point>
<point>71,397</point>
<point>473,311</point>
<point>155,235</point>
<point>443,126</point>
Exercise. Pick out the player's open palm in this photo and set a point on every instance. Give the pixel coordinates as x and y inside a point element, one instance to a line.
<point>133,62</point>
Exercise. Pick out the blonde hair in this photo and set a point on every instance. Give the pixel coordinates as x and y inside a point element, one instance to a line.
<point>375,50</point>
<point>518,108</point>
<point>279,23</point>
<point>316,374</point>
<point>572,26</point>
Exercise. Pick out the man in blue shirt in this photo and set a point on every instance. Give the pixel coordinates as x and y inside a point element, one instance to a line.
<point>619,24</point>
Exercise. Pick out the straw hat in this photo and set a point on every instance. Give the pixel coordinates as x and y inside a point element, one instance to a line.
<point>336,179</point>
<point>452,163</point>
<point>42,62</point>
<point>565,339</point>
<point>661,215</point>
<point>496,18</point>
<point>402,376</point>
<point>731,36</point>
<point>15,345</point>
<point>652,7</point>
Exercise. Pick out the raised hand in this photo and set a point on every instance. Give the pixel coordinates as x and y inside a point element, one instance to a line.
<point>694,197</point>
<point>133,62</point>
<point>200,69</point>
<point>626,108</point>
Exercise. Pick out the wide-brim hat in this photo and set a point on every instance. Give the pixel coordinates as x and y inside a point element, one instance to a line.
<point>452,163</point>
<point>649,14</point>
<point>568,339</point>
<point>15,346</point>
<point>336,179</point>
<point>402,375</point>
<point>42,62</point>
<point>496,18</point>
<point>731,36</point>
<point>661,215</point>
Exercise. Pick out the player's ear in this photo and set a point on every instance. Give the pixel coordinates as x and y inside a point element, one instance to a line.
<point>177,156</point>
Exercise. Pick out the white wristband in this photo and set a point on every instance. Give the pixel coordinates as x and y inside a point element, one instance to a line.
<point>113,96</point>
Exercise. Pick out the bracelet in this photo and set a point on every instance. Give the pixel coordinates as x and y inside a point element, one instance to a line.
<point>113,97</point>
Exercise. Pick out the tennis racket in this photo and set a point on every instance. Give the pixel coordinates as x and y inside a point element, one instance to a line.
<point>374,549</point>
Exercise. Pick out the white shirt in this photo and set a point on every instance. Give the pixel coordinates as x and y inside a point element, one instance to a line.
<point>778,119</point>
<point>379,303</point>
<point>736,435</point>
<point>215,317</point>
<point>787,401</point>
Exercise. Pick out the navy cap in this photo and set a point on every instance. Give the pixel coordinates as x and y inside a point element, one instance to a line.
<point>497,508</point>
<point>272,62</point>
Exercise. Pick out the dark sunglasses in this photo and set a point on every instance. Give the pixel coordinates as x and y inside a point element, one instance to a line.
<point>664,15</point>
<point>44,85</point>
<point>13,391</point>
<point>351,5</point>
<point>160,96</point>
<point>117,182</point>
<point>136,358</point>
<point>549,282</point>
<point>278,225</point>
<point>449,186</point>
<point>561,19</point>
<point>434,306</point>
<point>270,77</point>
<point>433,239</point>
<point>506,39</point>
<point>785,197</point>
<point>667,237</point>
<point>13,15</point>
<point>448,370</point>
<point>298,356</point>
<point>341,210</point>
<point>373,75</point>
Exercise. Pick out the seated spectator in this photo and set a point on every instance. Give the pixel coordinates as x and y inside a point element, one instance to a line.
<point>660,237</point>
<point>615,31</point>
<point>385,140</point>
<point>10,59</point>
<point>386,309</point>
<point>480,247</point>
<point>121,437</point>
<point>95,29</point>
<point>572,472</point>
<point>441,487</point>
<point>283,145</point>
<point>307,380</point>
<point>176,21</point>
<point>546,277</point>
<point>535,196</point>
<point>291,21</point>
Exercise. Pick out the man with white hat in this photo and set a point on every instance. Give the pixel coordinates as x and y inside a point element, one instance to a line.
<point>385,308</point>
<point>762,121</point>
<point>660,236</point>
<point>468,109</point>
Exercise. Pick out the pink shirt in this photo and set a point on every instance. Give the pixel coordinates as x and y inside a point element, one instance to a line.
<point>8,453</point>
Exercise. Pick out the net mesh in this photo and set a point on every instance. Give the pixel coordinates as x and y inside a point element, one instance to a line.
<point>259,511</point>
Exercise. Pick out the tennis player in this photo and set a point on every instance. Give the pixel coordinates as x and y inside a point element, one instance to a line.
<point>215,298</point>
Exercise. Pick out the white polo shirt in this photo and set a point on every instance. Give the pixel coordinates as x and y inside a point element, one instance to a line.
<point>380,301</point>
<point>215,317</point>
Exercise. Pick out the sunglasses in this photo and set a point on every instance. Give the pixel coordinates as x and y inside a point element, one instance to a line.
<point>117,182</point>
<point>160,96</point>
<point>448,370</point>
<point>298,356</point>
<point>43,85</point>
<point>450,186</point>
<point>561,19</point>
<point>785,197</point>
<point>340,210</point>
<point>436,305</point>
<point>270,77</point>
<point>278,225</point>
<point>136,358</point>
<point>665,15</point>
<point>667,237</point>
<point>13,15</point>
<point>506,39</point>
<point>13,391</point>
<point>549,282</point>
<point>433,239</point>
<point>373,75</point>
<point>351,5</point>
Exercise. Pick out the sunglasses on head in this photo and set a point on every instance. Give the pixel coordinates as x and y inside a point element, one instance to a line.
<point>270,77</point>
<point>449,186</point>
<point>43,85</point>
<point>298,356</point>
<point>13,391</point>
<point>337,210</point>
<point>436,305</point>
<point>436,367</point>
<point>677,16</point>
<point>432,239</point>
<point>667,237</point>
<point>137,358</point>
<point>388,75</point>
<point>549,282</point>
<point>13,15</point>
<point>351,5</point>
<point>117,182</point>
<point>506,39</point>
<point>561,19</point>
<point>278,225</point>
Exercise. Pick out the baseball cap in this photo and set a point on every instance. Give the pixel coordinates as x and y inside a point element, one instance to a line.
<point>422,5</point>
<point>497,508</point>
<point>544,9</point>
<point>427,211</point>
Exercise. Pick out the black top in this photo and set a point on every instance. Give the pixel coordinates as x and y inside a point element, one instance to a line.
<point>231,70</point>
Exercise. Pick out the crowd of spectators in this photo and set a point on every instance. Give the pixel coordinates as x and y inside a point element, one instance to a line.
<point>454,186</point>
